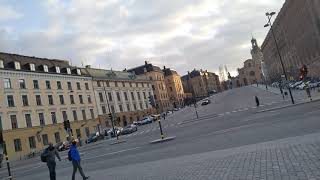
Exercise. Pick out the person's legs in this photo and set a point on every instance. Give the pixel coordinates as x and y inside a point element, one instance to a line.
<point>81,171</point>
<point>52,170</point>
<point>74,164</point>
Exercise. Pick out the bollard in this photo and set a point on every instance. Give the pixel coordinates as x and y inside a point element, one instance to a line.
<point>161,132</point>
<point>8,166</point>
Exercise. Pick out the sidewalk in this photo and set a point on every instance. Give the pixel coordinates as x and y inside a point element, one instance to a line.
<point>290,158</point>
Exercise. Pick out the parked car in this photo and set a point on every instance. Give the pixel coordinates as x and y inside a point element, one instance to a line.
<point>205,102</point>
<point>129,129</point>
<point>94,137</point>
<point>145,120</point>
<point>117,130</point>
<point>64,146</point>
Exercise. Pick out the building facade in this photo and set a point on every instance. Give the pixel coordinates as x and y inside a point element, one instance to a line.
<point>36,96</point>
<point>156,76</point>
<point>298,40</point>
<point>174,87</point>
<point>122,93</point>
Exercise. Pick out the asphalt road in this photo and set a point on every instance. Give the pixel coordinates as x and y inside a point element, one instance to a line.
<point>231,120</point>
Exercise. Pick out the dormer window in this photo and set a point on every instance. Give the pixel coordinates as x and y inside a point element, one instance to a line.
<point>78,72</point>
<point>45,68</point>
<point>32,67</point>
<point>1,64</point>
<point>57,69</point>
<point>68,71</point>
<point>17,65</point>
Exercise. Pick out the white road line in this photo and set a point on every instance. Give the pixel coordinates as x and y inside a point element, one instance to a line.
<point>222,114</point>
<point>227,112</point>
<point>112,153</point>
<point>254,107</point>
<point>234,111</point>
<point>141,132</point>
<point>246,109</point>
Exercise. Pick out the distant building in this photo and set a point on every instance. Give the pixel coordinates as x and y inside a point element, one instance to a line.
<point>174,87</point>
<point>200,83</point>
<point>156,76</point>
<point>124,93</point>
<point>297,31</point>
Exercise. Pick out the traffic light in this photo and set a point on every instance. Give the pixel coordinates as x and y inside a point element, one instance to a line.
<point>151,101</point>
<point>66,125</point>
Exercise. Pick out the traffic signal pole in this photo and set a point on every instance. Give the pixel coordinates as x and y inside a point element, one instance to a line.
<point>111,114</point>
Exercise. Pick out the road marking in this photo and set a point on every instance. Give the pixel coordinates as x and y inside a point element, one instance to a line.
<point>234,111</point>
<point>112,153</point>
<point>222,114</point>
<point>227,112</point>
<point>141,132</point>
<point>172,125</point>
<point>254,107</point>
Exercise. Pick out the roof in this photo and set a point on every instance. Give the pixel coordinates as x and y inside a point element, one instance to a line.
<point>168,72</point>
<point>8,59</point>
<point>147,67</point>
<point>102,74</point>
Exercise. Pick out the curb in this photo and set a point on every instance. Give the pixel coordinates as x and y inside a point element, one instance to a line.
<point>290,105</point>
<point>117,142</point>
<point>163,140</point>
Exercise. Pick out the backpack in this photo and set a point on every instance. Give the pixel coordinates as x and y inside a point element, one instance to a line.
<point>69,155</point>
<point>44,155</point>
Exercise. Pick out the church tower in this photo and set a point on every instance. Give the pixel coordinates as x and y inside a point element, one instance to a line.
<point>256,52</point>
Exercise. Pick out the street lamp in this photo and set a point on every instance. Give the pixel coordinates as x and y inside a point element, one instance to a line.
<point>269,15</point>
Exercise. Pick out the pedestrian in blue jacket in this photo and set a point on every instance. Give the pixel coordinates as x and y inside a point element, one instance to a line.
<point>75,156</point>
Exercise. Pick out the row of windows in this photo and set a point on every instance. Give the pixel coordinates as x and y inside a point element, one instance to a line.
<point>125,95</point>
<point>121,108</point>
<point>22,84</point>
<point>41,118</point>
<point>123,84</point>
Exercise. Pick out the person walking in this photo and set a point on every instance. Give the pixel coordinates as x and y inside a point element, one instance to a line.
<point>75,158</point>
<point>257,101</point>
<point>50,155</point>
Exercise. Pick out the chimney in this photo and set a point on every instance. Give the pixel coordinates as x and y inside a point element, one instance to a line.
<point>164,67</point>
<point>145,63</point>
<point>88,66</point>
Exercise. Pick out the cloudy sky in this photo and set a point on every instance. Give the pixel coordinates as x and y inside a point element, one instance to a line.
<point>118,34</point>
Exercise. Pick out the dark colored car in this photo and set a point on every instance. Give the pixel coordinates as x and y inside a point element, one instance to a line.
<point>129,129</point>
<point>205,102</point>
<point>94,138</point>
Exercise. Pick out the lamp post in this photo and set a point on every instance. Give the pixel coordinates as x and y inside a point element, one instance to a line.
<point>269,15</point>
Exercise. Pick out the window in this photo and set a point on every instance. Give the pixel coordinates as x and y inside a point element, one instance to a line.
<point>155,97</point>
<point>68,71</point>
<point>170,88</point>
<point>45,140</point>
<point>32,142</point>
<point>86,85</point>
<point>75,115</point>
<point>22,84</point>
<point>132,96</point>
<point>69,85</point>
<point>110,96</point>
<point>78,133</point>
<point>149,93</point>
<point>10,100</point>
<point>104,111</point>
<point>78,86</point>
<point>81,99</point>
<point>112,108</point>
<point>144,95</point>
<point>153,88</point>
<point>53,117</point>
<point>99,83</point>
<point>139,97</point>
<point>17,145</point>
<point>89,99</point>
<point>38,100</point>
<point>87,130</point>
<point>128,107</point>
<point>28,120</point>
<point>50,99</point>
<point>57,137</point>
<point>101,97</point>
<point>59,86</point>
<point>45,68</point>
<point>141,106</point>
<point>135,107</point>
<point>137,84</point>
<point>35,84</point>
<point>57,69</point>
<point>92,113</point>
<point>14,122</point>
<point>84,116</point>
<point>41,119</point>
<point>125,96</point>
<point>108,84</point>
<point>146,105</point>
<point>48,85</point>
<point>130,84</point>
<point>71,99</point>
<point>123,84</point>
<point>17,65</point>
<point>61,99</point>
<point>118,96</point>
<point>7,83</point>
<point>64,115</point>
<point>1,64</point>
<point>78,71</point>
<point>120,108</point>
<point>116,84</point>
<point>25,100</point>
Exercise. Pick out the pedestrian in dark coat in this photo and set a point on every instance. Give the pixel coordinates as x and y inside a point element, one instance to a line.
<point>75,158</point>
<point>257,101</point>
<point>50,154</point>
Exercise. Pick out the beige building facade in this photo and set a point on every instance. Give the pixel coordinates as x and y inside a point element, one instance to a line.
<point>156,76</point>
<point>174,87</point>
<point>121,92</point>
<point>36,96</point>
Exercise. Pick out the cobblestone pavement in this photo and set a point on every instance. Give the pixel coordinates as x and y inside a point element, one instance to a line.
<point>295,158</point>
